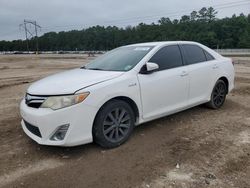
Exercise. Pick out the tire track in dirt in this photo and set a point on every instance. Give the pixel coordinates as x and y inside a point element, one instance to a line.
<point>31,169</point>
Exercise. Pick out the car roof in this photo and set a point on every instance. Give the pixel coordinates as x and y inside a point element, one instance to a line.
<point>160,43</point>
<point>163,43</point>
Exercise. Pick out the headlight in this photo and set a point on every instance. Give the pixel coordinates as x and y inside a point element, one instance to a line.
<point>58,102</point>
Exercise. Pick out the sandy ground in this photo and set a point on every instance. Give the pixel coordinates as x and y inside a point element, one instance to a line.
<point>195,148</point>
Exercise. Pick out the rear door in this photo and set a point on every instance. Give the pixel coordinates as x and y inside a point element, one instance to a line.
<point>165,90</point>
<point>200,68</point>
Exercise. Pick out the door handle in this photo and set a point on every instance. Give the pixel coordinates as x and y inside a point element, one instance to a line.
<point>184,73</point>
<point>215,66</point>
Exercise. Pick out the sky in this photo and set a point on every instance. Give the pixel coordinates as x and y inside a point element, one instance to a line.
<point>64,15</point>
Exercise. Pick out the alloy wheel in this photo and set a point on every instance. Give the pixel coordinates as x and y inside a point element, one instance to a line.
<point>219,94</point>
<point>116,124</point>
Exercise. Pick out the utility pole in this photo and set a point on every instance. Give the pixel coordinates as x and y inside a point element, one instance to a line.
<point>26,36</point>
<point>30,32</point>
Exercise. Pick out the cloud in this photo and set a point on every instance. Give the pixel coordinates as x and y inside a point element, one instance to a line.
<point>57,15</point>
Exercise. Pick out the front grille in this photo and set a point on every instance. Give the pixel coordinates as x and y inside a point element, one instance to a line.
<point>33,129</point>
<point>34,101</point>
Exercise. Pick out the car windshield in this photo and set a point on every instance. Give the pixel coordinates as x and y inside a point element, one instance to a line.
<point>119,59</point>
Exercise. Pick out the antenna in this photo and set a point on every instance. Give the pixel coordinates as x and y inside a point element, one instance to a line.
<point>30,32</point>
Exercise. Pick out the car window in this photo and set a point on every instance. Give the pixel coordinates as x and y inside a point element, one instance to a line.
<point>193,54</point>
<point>167,57</point>
<point>119,59</point>
<point>208,56</point>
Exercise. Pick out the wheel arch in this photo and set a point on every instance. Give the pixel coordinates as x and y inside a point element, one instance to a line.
<point>131,102</point>
<point>128,100</point>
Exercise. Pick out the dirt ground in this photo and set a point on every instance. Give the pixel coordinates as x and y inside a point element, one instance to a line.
<point>195,148</point>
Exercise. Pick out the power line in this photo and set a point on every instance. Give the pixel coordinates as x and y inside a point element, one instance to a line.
<point>169,15</point>
<point>180,13</point>
<point>172,15</point>
<point>151,17</point>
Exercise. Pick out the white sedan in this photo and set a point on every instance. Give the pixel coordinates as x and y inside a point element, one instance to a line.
<point>130,85</point>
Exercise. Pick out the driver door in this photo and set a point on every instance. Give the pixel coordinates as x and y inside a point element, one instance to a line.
<point>165,90</point>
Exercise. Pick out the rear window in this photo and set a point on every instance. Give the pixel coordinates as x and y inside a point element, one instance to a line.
<point>208,56</point>
<point>193,54</point>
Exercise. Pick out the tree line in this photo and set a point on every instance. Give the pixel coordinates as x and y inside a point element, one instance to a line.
<point>202,26</point>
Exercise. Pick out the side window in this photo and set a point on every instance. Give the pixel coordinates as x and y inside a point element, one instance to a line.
<point>208,56</point>
<point>167,57</point>
<point>193,54</point>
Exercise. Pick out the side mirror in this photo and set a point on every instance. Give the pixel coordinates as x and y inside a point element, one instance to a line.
<point>149,68</point>
<point>152,66</point>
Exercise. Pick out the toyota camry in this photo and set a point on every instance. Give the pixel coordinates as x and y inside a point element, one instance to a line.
<point>104,100</point>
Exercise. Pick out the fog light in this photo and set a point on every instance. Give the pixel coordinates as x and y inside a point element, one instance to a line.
<point>60,133</point>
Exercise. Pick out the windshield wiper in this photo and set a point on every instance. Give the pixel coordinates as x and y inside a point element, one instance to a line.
<point>95,69</point>
<point>84,67</point>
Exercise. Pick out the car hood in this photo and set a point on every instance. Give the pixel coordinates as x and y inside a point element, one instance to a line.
<point>70,81</point>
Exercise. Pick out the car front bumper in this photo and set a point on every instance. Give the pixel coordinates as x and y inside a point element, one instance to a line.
<point>79,117</point>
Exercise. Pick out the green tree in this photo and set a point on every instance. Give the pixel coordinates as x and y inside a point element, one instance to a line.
<point>201,26</point>
<point>211,14</point>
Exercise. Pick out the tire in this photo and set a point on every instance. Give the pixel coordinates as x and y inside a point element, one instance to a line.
<point>218,95</point>
<point>113,124</point>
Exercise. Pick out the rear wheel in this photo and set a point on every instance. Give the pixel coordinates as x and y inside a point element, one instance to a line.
<point>114,124</point>
<point>218,95</point>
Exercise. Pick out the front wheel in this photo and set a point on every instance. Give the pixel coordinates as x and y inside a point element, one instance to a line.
<point>114,124</point>
<point>218,95</point>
